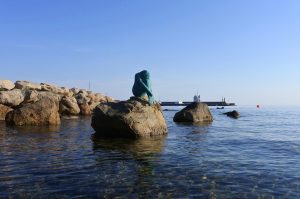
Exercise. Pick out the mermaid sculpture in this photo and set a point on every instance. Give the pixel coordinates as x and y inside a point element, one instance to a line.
<point>142,86</point>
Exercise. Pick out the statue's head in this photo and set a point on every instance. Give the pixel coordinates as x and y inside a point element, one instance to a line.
<point>144,74</point>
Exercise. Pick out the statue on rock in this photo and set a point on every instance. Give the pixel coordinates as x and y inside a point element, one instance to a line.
<point>142,86</point>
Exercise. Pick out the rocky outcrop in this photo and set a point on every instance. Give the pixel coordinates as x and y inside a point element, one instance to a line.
<point>27,85</point>
<point>6,85</point>
<point>68,106</point>
<point>194,113</point>
<point>42,112</point>
<point>27,99</point>
<point>132,118</point>
<point>11,98</point>
<point>233,114</point>
<point>3,111</point>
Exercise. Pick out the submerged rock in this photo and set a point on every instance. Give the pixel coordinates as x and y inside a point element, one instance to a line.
<point>132,118</point>
<point>12,97</point>
<point>3,111</point>
<point>234,114</point>
<point>194,112</point>
<point>42,112</point>
<point>6,85</point>
<point>27,85</point>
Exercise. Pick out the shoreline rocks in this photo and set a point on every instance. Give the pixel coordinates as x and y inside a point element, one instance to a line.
<point>133,118</point>
<point>71,102</point>
<point>42,112</point>
<point>194,113</point>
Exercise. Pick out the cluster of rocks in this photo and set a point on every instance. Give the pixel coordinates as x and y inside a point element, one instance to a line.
<point>27,103</point>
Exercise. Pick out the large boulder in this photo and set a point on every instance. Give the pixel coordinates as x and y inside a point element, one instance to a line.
<point>27,85</point>
<point>12,97</point>
<point>194,113</point>
<point>6,85</point>
<point>68,106</point>
<point>132,118</point>
<point>233,114</point>
<point>3,111</point>
<point>42,112</point>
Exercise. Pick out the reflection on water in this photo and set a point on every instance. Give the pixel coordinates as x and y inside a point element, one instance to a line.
<point>137,147</point>
<point>257,156</point>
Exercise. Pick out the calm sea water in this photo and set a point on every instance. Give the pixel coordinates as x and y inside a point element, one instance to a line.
<point>256,156</point>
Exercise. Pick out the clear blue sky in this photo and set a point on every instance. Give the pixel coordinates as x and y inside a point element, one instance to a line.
<point>246,51</point>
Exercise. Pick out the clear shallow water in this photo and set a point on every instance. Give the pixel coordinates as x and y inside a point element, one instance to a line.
<point>256,156</point>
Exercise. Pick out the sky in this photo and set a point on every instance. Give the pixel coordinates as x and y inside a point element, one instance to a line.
<point>246,51</point>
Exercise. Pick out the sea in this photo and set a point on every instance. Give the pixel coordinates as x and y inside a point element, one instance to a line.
<point>255,156</point>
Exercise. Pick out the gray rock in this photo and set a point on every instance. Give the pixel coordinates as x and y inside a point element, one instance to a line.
<point>27,85</point>
<point>233,114</point>
<point>12,97</point>
<point>194,113</point>
<point>132,118</point>
<point>3,111</point>
<point>42,112</point>
<point>68,106</point>
<point>6,85</point>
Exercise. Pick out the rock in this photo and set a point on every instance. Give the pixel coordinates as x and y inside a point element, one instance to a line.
<point>3,111</point>
<point>6,85</point>
<point>43,94</point>
<point>66,92</point>
<point>84,103</point>
<point>42,112</point>
<point>83,92</point>
<point>132,118</point>
<point>30,96</point>
<point>234,114</point>
<point>109,99</point>
<point>194,112</point>
<point>27,85</point>
<point>12,97</point>
<point>82,99</point>
<point>68,106</point>
<point>54,89</point>
<point>75,91</point>
<point>85,109</point>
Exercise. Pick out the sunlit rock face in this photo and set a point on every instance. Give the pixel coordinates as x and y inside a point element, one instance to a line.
<point>42,112</point>
<point>194,113</point>
<point>132,118</point>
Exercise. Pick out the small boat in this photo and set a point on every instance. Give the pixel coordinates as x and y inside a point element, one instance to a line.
<point>220,107</point>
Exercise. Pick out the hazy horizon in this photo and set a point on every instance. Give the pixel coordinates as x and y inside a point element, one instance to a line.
<point>247,52</point>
